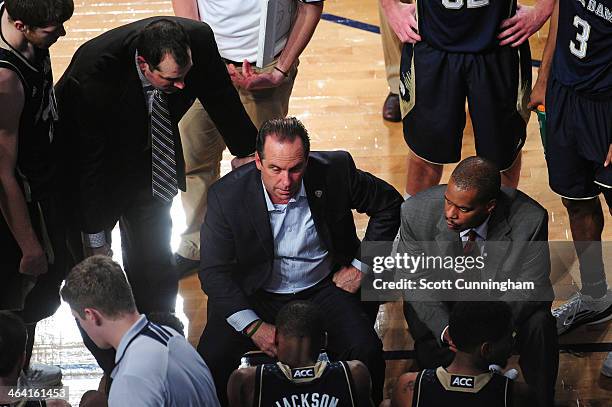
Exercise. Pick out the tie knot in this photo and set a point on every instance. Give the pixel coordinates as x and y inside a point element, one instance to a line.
<point>472,235</point>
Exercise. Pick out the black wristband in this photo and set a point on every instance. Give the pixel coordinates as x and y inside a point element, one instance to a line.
<point>285,74</point>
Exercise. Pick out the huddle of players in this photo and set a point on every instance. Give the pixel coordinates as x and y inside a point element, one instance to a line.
<point>444,67</point>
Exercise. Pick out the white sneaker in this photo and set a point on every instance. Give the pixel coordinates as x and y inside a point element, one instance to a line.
<point>582,309</point>
<point>606,368</point>
<point>39,375</point>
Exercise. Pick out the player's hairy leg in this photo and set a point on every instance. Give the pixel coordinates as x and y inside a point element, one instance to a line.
<point>510,177</point>
<point>421,174</point>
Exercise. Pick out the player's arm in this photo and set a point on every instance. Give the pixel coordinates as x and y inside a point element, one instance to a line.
<point>538,94</point>
<point>241,387</point>
<point>527,20</point>
<point>186,8</point>
<point>363,383</point>
<point>402,19</point>
<point>403,390</point>
<point>12,201</point>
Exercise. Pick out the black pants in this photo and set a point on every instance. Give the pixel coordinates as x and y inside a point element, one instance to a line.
<point>146,229</point>
<point>536,343</point>
<point>350,330</point>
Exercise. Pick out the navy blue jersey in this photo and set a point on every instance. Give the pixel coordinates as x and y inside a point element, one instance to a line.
<point>36,160</point>
<point>583,53</point>
<point>439,388</point>
<point>325,384</point>
<point>463,25</point>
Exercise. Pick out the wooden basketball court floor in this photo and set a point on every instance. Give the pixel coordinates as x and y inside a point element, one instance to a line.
<point>338,95</point>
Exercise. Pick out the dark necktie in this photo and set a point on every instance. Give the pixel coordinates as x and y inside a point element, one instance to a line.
<point>163,161</point>
<point>470,245</point>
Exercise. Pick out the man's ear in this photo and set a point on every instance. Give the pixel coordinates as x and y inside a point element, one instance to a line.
<point>258,160</point>
<point>143,64</point>
<point>93,315</point>
<point>491,205</point>
<point>20,25</point>
<point>485,350</point>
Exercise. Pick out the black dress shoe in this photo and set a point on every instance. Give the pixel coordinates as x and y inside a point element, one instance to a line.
<point>391,108</point>
<point>184,266</point>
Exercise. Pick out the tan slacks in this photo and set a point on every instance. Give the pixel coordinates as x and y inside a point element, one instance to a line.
<point>203,149</point>
<point>392,50</point>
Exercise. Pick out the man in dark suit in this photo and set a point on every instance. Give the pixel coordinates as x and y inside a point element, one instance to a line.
<point>121,99</point>
<point>507,231</point>
<point>282,229</point>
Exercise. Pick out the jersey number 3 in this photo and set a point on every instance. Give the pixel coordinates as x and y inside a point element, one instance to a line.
<point>457,4</point>
<point>581,37</point>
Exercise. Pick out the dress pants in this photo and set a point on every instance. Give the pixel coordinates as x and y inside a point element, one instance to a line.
<point>536,343</point>
<point>146,228</point>
<point>392,50</point>
<point>350,330</point>
<point>203,148</point>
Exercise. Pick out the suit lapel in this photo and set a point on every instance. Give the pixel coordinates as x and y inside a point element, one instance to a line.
<point>317,201</point>
<point>255,204</point>
<point>132,100</point>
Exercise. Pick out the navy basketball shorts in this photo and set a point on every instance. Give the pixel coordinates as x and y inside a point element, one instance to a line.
<point>434,86</point>
<point>579,133</point>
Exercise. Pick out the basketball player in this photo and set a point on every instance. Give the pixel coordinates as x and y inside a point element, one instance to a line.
<point>481,332</point>
<point>457,50</point>
<point>298,379</point>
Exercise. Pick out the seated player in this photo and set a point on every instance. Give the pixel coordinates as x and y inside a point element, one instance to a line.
<point>154,364</point>
<point>481,332</point>
<point>13,337</point>
<point>298,378</point>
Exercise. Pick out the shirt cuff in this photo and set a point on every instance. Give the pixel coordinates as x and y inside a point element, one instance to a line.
<point>95,240</point>
<point>364,268</point>
<point>241,319</point>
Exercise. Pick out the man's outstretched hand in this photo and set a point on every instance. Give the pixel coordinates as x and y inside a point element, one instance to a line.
<point>248,79</point>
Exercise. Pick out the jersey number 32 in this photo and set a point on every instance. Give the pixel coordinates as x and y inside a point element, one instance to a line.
<point>457,4</point>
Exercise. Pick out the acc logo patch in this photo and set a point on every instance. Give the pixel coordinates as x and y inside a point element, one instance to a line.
<point>463,382</point>
<point>301,373</point>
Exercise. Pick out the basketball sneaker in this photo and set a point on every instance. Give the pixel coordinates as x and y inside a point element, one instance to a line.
<point>582,309</point>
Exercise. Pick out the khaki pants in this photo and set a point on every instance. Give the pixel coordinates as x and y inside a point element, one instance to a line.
<point>203,149</point>
<point>392,50</point>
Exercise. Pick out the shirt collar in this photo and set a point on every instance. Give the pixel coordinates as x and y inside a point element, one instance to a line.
<point>481,230</point>
<point>129,335</point>
<point>300,194</point>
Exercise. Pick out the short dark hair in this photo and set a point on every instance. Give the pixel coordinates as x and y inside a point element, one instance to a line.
<point>13,337</point>
<point>301,319</point>
<point>287,128</point>
<point>473,323</point>
<point>40,13</point>
<point>98,282</point>
<point>479,174</point>
<point>160,38</point>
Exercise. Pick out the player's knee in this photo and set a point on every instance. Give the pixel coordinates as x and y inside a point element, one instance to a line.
<point>582,207</point>
<point>607,193</point>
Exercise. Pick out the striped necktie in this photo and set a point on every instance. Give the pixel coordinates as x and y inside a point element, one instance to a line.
<point>163,160</point>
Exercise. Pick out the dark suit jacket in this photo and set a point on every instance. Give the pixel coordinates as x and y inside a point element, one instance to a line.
<point>237,249</point>
<point>104,115</point>
<point>516,249</point>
